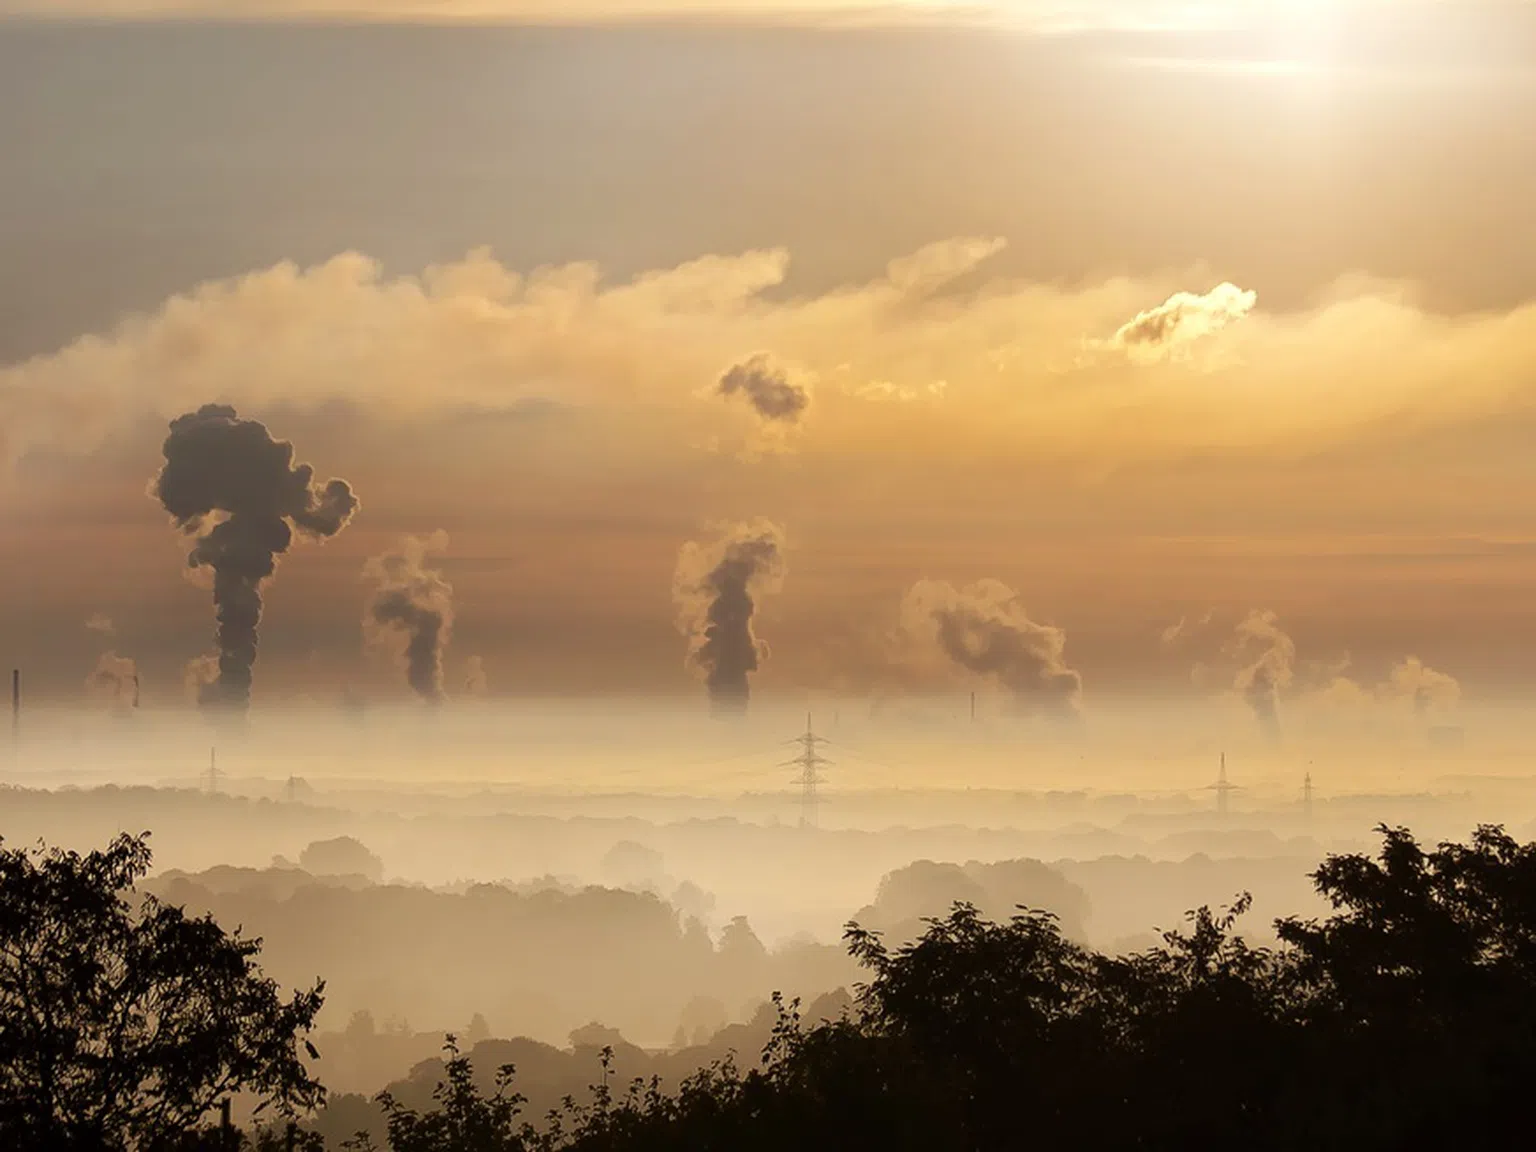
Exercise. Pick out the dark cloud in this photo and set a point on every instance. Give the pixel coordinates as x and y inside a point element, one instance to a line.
<point>412,605</point>
<point>716,586</point>
<point>767,386</point>
<point>228,483</point>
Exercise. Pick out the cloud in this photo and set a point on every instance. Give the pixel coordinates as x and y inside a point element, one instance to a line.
<point>984,631</point>
<point>988,367</point>
<point>102,623</point>
<point>1180,320</point>
<point>768,387</point>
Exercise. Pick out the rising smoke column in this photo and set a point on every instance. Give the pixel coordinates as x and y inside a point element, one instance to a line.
<point>227,483</point>
<point>1426,687</point>
<point>716,587</point>
<point>1269,672</point>
<point>414,604</point>
<point>984,630</point>
<point>116,677</point>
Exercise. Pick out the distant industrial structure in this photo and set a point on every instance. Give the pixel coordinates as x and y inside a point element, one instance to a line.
<point>15,705</point>
<point>810,762</point>
<point>214,777</point>
<point>1223,788</point>
<point>1306,798</point>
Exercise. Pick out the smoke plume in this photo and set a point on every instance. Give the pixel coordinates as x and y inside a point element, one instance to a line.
<point>1183,317</point>
<point>1271,656</point>
<point>716,587</point>
<point>412,608</point>
<point>227,483</point>
<point>1428,689</point>
<point>985,630</point>
<point>767,386</point>
<point>115,677</point>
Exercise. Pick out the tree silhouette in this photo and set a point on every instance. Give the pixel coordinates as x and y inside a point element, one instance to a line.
<point>464,1120</point>
<point>122,1026</point>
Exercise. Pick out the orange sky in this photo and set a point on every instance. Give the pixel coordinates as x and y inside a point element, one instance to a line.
<point>1142,343</point>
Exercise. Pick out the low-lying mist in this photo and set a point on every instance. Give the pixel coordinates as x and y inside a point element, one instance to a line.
<point>646,870</point>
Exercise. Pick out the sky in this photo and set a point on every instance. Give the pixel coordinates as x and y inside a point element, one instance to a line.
<point>1054,339</point>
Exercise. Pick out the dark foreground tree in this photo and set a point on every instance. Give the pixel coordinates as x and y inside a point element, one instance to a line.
<point>1404,1021</point>
<point>123,1023</point>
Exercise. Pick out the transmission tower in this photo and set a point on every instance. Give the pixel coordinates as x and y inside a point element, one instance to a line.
<point>810,762</point>
<point>1223,787</point>
<point>213,770</point>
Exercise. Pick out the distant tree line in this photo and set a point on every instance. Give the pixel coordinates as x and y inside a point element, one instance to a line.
<point>1404,1019</point>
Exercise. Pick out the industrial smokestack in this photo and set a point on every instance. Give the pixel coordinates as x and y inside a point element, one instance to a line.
<point>230,485</point>
<point>716,587</point>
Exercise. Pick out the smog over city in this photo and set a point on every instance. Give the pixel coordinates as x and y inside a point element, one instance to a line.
<point>824,560</point>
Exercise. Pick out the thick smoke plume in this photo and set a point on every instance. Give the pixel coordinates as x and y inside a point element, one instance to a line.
<point>115,677</point>
<point>767,386</point>
<point>1183,317</point>
<point>412,608</point>
<point>1271,662</point>
<point>716,588</point>
<point>985,630</point>
<point>229,484</point>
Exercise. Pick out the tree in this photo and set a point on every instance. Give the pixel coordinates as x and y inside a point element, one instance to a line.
<point>343,856</point>
<point>121,1027</point>
<point>464,1120</point>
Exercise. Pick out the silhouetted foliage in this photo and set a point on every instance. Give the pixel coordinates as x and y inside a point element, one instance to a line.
<point>1406,1019</point>
<point>464,1120</point>
<point>1402,1021</point>
<point>122,1026</point>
